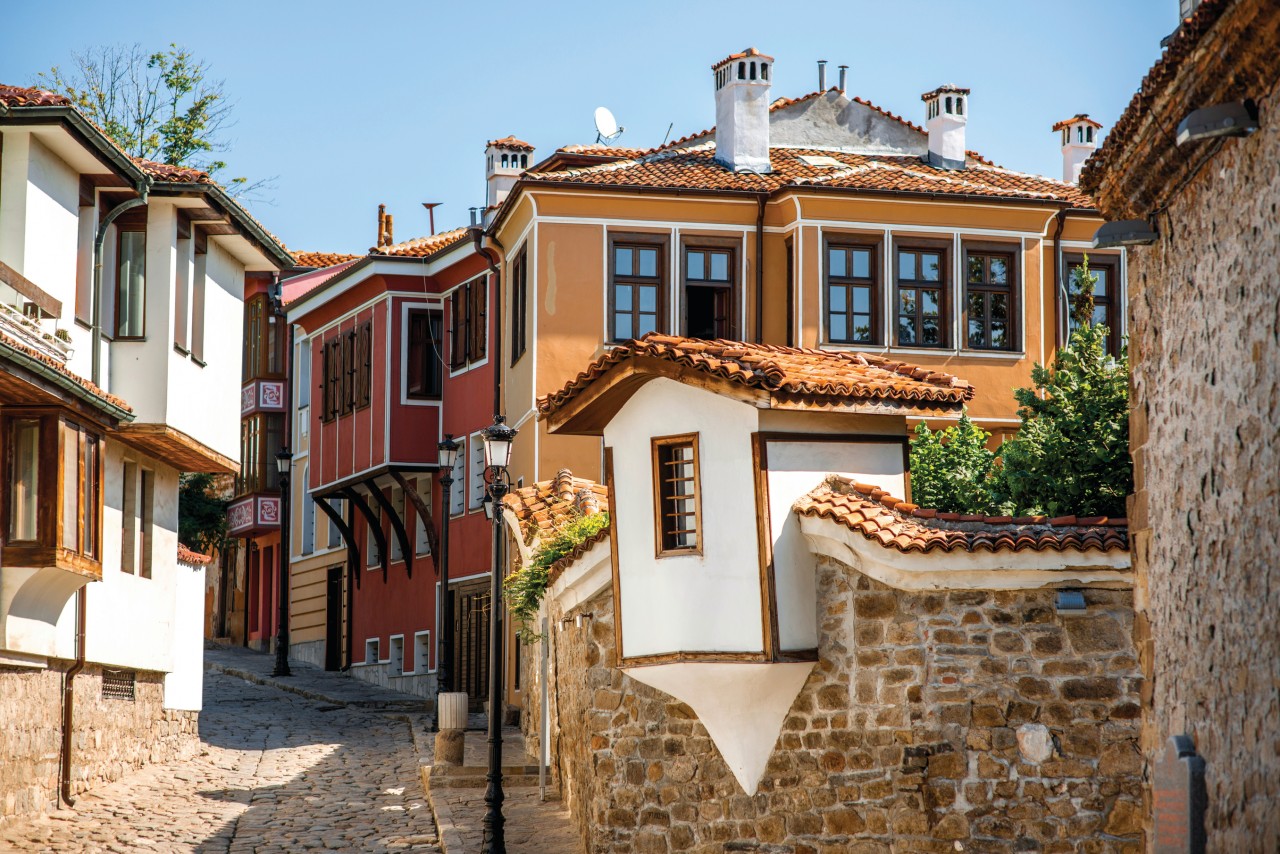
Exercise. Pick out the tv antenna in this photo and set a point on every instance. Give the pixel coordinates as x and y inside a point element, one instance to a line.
<point>607,128</point>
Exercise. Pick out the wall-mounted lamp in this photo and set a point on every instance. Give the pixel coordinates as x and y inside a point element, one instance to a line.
<point>1128,232</point>
<point>582,619</point>
<point>487,504</point>
<point>1070,603</point>
<point>1238,118</point>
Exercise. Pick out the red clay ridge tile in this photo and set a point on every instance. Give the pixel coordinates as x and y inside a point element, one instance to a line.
<point>889,522</point>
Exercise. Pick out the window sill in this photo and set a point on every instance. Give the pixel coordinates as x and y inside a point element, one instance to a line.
<point>178,348</point>
<point>679,553</point>
<point>1010,355</point>
<point>198,361</point>
<point>84,324</point>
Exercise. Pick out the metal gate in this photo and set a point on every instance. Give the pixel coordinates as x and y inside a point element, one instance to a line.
<point>471,642</point>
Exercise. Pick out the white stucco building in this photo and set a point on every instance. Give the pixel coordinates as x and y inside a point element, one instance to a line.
<point>121,293</point>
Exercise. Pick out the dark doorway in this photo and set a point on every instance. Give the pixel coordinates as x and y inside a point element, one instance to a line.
<point>333,619</point>
<point>471,641</point>
<point>706,312</point>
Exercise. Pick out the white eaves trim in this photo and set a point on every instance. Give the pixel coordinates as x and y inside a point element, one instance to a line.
<point>963,570</point>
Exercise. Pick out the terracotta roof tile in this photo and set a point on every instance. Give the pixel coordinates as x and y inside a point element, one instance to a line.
<point>49,361</point>
<point>420,247</point>
<point>695,167</point>
<point>835,376</point>
<point>24,96</point>
<point>868,510</point>
<point>511,142</point>
<point>746,54</point>
<point>1078,117</point>
<point>186,555</point>
<point>542,508</point>
<point>548,504</point>
<point>322,259</point>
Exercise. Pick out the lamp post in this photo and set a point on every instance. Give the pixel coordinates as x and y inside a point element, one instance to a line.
<point>448,451</point>
<point>284,459</point>
<point>497,456</point>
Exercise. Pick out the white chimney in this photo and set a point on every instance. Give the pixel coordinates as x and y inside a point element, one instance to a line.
<point>946,114</point>
<point>1079,140</point>
<point>505,159</point>
<point>742,84</point>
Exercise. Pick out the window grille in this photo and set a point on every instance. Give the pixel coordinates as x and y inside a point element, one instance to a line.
<point>118,684</point>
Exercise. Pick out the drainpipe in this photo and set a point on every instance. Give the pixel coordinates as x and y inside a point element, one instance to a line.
<point>144,190</point>
<point>1059,285</point>
<point>761,200</point>
<point>68,702</point>
<point>477,236</point>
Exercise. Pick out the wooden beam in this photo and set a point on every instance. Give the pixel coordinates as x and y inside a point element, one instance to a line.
<point>29,289</point>
<point>375,526</point>
<point>176,448</point>
<point>397,524</point>
<point>353,550</point>
<point>424,512</point>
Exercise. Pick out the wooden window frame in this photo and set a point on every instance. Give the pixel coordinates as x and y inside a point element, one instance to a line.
<point>637,240</point>
<point>130,224</point>
<point>519,305</point>
<point>429,357</point>
<point>988,250</point>
<point>48,549</point>
<point>1112,304</point>
<point>943,248</point>
<point>657,444</point>
<point>851,243</point>
<point>699,243</point>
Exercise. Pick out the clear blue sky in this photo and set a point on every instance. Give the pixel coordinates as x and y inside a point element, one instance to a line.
<point>349,104</point>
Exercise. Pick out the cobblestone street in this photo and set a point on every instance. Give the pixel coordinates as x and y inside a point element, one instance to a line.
<point>276,772</point>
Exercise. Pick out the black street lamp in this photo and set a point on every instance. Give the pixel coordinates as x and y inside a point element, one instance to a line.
<point>497,456</point>
<point>284,459</point>
<point>448,451</point>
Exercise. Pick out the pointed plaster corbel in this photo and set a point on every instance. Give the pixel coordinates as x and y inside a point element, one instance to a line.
<point>741,704</point>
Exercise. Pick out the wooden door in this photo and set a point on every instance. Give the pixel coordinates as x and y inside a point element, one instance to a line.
<point>471,641</point>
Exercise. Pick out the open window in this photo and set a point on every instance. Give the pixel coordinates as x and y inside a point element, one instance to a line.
<point>710,287</point>
<point>52,510</point>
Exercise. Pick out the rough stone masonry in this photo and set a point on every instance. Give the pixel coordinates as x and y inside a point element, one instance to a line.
<point>962,720</point>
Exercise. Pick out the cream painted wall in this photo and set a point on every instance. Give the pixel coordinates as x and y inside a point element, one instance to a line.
<point>691,603</point>
<point>184,685</point>
<point>794,469</point>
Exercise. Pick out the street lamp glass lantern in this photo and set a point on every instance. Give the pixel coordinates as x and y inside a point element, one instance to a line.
<point>448,453</point>
<point>497,443</point>
<point>487,504</point>
<point>283,459</point>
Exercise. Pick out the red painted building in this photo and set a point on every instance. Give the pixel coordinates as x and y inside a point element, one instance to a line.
<point>393,353</point>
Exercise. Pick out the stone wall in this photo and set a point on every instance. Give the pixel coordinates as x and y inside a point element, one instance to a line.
<point>1205,347</point>
<point>932,722</point>
<point>111,737</point>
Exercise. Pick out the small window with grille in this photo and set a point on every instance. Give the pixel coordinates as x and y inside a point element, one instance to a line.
<point>677,500</point>
<point>118,684</point>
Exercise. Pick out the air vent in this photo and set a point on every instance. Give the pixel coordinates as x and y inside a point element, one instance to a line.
<point>118,684</point>
<point>820,160</point>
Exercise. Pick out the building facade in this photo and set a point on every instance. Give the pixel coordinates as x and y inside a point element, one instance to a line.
<point>394,353</point>
<point>1204,420</point>
<point>820,221</point>
<point>119,281</point>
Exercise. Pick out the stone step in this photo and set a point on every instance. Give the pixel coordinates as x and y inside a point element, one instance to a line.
<point>479,782</point>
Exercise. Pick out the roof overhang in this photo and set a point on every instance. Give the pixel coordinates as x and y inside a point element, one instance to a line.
<point>102,148</point>
<point>960,570</point>
<point>588,412</point>
<point>230,212</point>
<point>27,380</point>
<point>176,448</point>
<point>336,488</point>
<point>377,265</point>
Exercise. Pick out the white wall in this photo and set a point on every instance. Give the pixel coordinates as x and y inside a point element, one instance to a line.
<point>131,621</point>
<point>139,369</point>
<point>184,685</point>
<point>795,468</point>
<point>13,198</point>
<point>696,603</point>
<point>205,402</point>
<point>53,213</point>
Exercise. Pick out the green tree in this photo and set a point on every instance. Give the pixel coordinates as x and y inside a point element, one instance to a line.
<point>951,468</point>
<point>158,106</point>
<point>1071,454</point>
<point>202,512</point>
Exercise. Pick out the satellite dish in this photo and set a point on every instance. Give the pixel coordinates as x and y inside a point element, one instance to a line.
<point>606,125</point>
